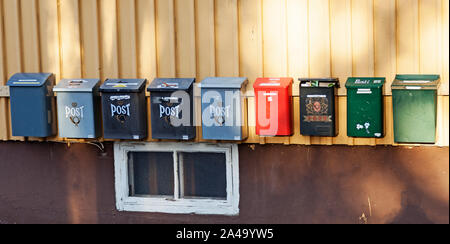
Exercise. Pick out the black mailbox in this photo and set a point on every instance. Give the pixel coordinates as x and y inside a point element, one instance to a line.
<point>124,109</point>
<point>318,102</point>
<point>171,103</point>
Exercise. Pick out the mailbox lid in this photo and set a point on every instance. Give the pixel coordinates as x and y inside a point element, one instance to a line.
<point>319,82</point>
<point>171,84</point>
<point>77,85</point>
<point>123,85</point>
<point>430,82</point>
<point>28,79</point>
<point>365,82</point>
<point>224,82</point>
<point>273,83</point>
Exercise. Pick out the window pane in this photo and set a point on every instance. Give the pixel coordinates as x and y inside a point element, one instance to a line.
<point>204,175</point>
<point>151,173</point>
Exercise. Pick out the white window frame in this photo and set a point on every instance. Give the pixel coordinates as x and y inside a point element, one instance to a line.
<point>176,205</point>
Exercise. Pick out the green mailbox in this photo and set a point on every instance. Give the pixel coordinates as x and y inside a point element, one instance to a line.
<point>414,100</point>
<point>365,107</point>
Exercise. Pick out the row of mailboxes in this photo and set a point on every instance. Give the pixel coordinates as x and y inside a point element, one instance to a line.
<point>414,107</point>
<point>318,104</point>
<point>124,108</point>
<point>223,106</point>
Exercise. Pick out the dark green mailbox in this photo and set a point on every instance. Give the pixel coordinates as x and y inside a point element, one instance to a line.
<point>414,100</point>
<point>365,107</point>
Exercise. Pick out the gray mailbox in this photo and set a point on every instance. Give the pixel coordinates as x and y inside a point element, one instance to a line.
<point>78,103</point>
<point>224,108</point>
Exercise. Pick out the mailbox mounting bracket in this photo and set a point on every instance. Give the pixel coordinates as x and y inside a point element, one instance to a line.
<point>4,91</point>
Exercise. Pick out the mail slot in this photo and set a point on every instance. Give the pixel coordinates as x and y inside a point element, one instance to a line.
<point>273,106</point>
<point>414,100</point>
<point>32,104</point>
<point>224,108</point>
<point>318,103</point>
<point>365,107</point>
<point>78,103</point>
<point>172,108</point>
<point>124,109</point>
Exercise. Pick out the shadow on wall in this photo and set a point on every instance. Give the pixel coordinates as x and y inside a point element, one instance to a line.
<point>341,184</point>
<point>427,188</point>
<point>411,211</point>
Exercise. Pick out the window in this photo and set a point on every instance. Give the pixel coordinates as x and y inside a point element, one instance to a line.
<point>177,178</point>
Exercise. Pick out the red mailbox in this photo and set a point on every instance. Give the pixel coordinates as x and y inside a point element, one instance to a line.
<point>273,106</point>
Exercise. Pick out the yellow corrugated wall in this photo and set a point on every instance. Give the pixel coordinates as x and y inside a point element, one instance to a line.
<point>252,38</point>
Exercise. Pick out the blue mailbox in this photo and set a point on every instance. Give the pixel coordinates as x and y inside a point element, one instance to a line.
<point>78,103</point>
<point>224,108</point>
<point>32,104</point>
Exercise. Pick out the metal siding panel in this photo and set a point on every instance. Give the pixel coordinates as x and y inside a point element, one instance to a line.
<point>185,41</point>
<point>384,24</point>
<point>108,39</point>
<point>166,38</point>
<point>90,43</point>
<point>407,36</point>
<point>70,39</point>
<point>341,40</point>
<point>227,37</point>
<point>126,29</point>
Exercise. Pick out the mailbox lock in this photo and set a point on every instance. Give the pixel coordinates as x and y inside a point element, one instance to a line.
<point>168,121</point>
<point>220,120</point>
<point>121,118</point>
<point>75,120</point>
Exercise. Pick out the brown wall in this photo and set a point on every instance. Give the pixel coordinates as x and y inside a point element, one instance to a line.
<point>53,183</point>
